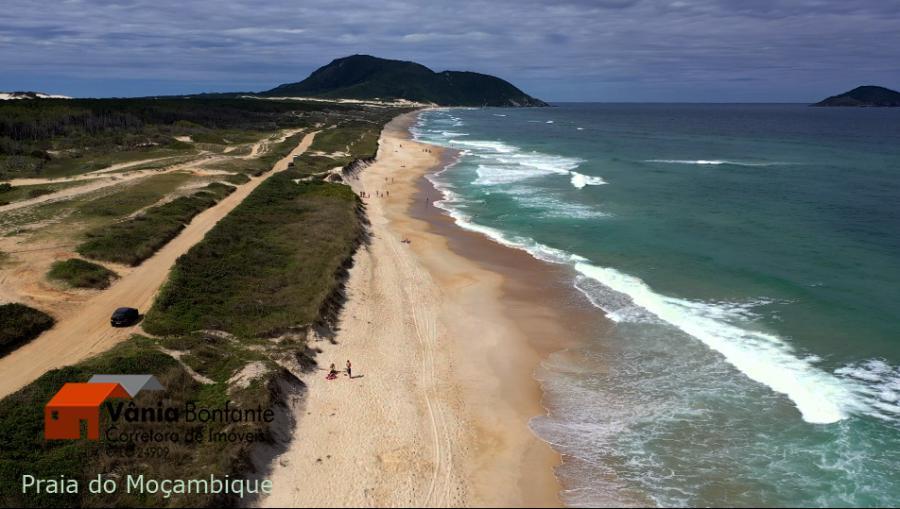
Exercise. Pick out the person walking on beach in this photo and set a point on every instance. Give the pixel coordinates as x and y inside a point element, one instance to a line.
<point>349,370</point>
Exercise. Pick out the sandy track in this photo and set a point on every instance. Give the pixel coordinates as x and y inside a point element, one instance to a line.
<point>131,164</point>
<point>95,182</point>
<point>104,178</point>
<point>102,174</point>
<point>85,331</point>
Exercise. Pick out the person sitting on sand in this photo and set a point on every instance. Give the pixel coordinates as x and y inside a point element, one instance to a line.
<point>332,373</point>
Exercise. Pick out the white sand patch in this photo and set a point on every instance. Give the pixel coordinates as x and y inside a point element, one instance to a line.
<point>250,372</point>
<point>9,96</point>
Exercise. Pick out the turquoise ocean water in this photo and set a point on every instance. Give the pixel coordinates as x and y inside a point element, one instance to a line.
<point>749,258</point>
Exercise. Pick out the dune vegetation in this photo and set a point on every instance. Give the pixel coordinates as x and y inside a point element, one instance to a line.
<point>20,324</point>
<point>79,273</point>
<point>132,241</point>
<point>273,267</point>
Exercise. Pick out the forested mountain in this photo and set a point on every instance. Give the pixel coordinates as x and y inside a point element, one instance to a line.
<point>368,77</point>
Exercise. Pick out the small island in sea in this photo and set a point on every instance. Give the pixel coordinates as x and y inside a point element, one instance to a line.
<point>865,96</point>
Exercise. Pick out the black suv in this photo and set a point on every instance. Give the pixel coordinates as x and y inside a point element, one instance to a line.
<point>123,317</point>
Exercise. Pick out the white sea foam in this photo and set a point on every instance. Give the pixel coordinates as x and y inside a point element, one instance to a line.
<point>579,180</point>
<point>492,175</point>
<point>712,162</point>
<point>547,163</point>
<point>529,245</point>
<point>497,147</point>
<point>546,205</point>
<point>515,164</point>
<point>765,358</point>
<point>872,388</point>
<point>879,384</point>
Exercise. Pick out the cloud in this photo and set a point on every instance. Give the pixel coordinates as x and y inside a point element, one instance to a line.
<point>591,49</point>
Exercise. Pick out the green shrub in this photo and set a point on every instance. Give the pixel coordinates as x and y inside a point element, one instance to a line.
<point>41,191</point>
<point>20,324</point>
<point>269,266</point>
<point>237,179</point>
<point>133,241</point>
<point>81,274</point>
<point>24,450</point>
<point>133,196</point>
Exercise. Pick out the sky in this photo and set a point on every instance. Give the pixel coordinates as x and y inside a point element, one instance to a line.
<point>577,50</point>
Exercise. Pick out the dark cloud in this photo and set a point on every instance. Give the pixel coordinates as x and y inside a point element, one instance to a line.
<point>591,49</point>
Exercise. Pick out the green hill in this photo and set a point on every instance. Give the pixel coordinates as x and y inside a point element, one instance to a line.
<point>864,96</point>
<point>368,77</point>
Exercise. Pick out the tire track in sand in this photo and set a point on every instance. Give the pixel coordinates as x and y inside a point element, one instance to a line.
<point>425,324</point>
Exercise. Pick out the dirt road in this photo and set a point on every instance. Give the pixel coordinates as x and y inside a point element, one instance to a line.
<point>95,182</point>
<point>112,175</point>
<point>86,331</point>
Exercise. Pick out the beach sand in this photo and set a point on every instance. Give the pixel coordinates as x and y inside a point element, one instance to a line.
<point>444,333</point>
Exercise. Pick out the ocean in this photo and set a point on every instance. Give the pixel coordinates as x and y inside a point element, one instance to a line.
<point>748,257</point>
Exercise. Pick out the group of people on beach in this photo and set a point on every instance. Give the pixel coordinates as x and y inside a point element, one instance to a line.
<point>378,194</point>
<point>333,372</point>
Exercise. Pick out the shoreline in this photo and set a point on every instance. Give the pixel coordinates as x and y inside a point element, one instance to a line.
<point>528,285</point>
<point>446,332</point>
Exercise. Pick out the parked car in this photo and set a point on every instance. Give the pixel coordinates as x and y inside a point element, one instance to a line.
<point>123,317</point>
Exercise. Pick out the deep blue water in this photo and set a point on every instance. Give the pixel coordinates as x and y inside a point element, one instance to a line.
<point>749,256</point>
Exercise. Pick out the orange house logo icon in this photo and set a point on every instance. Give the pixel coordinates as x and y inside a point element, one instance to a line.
<point>80,402</point>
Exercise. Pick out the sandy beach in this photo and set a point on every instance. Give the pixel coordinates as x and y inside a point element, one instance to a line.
<point>443,348</point>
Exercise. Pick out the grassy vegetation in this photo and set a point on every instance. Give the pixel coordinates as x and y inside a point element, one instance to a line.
<point>24,450</point>
<point>345,143</point>
<point>274,264</point>
<point>20,324</point>
<point>360,137</point>
<point>136,239</point>
<point>80,273</point>
<point>262,164</point>
<point>157,163</point>
<point>267,267</point>
<point>307,164</point>
<point>86,160</point>
<point>237,179</point>
<point>12,194</point>
<point>134,196</point>
<point>64,137</point>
